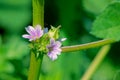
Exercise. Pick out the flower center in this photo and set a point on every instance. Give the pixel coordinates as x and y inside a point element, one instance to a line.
<point>50,49</point>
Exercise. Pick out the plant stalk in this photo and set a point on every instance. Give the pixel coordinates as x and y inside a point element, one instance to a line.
<point>87,45</point>
<point>96,62</point>
<point>38,18</point>
<point>38,12</point>
<point>35,66</point>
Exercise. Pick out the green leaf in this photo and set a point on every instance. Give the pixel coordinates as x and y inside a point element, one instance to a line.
<point>107,25</point>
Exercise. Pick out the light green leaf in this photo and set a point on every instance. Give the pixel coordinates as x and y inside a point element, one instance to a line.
<point>107,25</point>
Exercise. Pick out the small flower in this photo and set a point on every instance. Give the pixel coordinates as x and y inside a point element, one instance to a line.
<point>33,33</point>
<point>54,49</point>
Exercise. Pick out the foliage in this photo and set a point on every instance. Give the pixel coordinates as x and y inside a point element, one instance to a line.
<point>107,24</point>
<point>76,18</point>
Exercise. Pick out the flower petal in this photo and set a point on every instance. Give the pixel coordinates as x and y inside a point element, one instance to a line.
<point>52,56</point>
<point>58,44</point>
<point>57,52</point>
<point>54,49</point>
<point>63,39</point>
<point>38,27</point>
<point>57,49</point>
<point>39,32</point>
<point>52,41</point>
<point>26,36</point>
<point>31,30</point>
<point>31,39</point>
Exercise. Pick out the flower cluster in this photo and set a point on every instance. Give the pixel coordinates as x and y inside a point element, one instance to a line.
<point>51,45</point>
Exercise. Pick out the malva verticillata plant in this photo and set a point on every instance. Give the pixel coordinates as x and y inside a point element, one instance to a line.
<point>47,42</point>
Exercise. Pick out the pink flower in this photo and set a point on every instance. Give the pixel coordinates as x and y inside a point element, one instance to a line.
<point>33,33</point>
<point>54,49</point>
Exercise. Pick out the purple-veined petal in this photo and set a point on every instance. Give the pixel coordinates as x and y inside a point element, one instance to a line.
<point>31,30</point>
<point>54,49</point>
<point>57,49</point>
<point>34,33</point>
<point>58,44</point>
<point>57,52</point>
<point>52,41</point>
<point>39,32</point>
<point>52,56</point>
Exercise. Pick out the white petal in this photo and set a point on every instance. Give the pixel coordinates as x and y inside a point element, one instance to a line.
<point>54,57</point>
<point>63,39</point>
<point>26,36</point>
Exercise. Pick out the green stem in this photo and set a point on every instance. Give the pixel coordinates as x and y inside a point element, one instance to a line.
<point>38,18</point>
<point>38,12</point>
<point>86,46</point>
<point>35,66</point>
<point>96,62</point>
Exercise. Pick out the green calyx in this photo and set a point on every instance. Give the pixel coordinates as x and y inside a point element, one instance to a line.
<point>54,32</point>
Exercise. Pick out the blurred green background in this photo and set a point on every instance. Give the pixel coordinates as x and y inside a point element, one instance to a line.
<point>76,17</point>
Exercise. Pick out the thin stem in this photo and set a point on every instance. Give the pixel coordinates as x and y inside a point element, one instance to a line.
<point>96,62</point>
<point>86,46</point>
